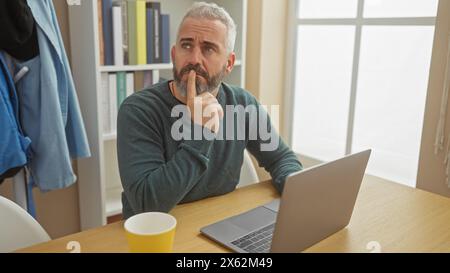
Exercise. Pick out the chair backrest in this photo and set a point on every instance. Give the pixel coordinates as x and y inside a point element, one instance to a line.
<point>248,172</point>
<point>18,229</point>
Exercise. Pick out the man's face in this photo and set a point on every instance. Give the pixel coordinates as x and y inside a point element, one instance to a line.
<point>201,46</point>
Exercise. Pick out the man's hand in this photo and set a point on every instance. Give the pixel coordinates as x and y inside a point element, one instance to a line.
<point>205,109</point>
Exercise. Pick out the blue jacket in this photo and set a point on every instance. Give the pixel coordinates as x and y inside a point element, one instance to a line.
<point>50,113</point>
<point>13,144</point>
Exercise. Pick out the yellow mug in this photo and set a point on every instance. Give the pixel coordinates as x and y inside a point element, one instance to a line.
<point>150,232</point>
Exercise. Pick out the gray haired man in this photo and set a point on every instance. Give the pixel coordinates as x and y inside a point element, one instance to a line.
<point>159,171</point>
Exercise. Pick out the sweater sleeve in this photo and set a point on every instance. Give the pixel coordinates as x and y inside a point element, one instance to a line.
<point>150,182</point>
<point>270,150</point>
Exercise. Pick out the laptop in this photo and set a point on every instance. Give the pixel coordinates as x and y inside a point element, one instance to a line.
<point>315,203</point>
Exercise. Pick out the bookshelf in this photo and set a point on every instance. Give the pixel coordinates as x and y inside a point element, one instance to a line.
<point>99,183</point>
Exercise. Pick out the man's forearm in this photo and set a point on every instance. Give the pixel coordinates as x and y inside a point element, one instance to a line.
<point>162,188</point>
<point>279,163</point>
<point>287,164</point>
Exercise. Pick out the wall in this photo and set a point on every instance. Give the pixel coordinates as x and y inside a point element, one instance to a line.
<point>266,42</point>
<point>57,211</point>
<point>431,174</point>
<point>253,51</point>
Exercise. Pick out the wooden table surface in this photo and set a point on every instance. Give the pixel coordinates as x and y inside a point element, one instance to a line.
<point>388,217</point>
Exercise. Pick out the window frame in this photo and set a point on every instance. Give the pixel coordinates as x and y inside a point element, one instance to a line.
<point>291,56</point>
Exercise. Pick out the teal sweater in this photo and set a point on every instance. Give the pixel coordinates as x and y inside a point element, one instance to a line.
<point>159,172</point>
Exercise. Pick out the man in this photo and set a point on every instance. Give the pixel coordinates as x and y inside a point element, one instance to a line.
<point>159,169</point>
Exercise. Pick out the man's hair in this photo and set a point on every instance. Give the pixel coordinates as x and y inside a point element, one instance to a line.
<point>211,11</point>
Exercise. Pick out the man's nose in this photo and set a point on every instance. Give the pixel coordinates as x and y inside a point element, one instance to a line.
<point>195,57</point>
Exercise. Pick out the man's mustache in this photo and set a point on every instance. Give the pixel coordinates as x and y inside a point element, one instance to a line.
<point>198,70</point>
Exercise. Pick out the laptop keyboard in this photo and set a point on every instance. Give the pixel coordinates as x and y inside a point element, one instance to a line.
<point>258,241</point>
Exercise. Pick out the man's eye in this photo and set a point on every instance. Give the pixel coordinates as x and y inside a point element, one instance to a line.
<point>186,46</point>
<point>209,49</point>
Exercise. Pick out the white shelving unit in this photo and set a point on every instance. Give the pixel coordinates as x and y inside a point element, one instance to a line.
<point>98,176</point>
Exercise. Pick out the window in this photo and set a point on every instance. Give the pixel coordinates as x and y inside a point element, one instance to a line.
<point>360,78</point>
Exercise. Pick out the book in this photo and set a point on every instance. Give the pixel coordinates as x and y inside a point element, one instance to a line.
<point>165,38</point>
<point>105,103</point>
<point>107,31</point>
<point>130,84</point>
<point>100,32</point>
<point>138,80</point>
<point>137,35</point>
<point>117,33</point>
<point>148,79</point>
<point>112,84</point>
<point>141,33</point>
<point>155,76</point>
<point>131,15</point>
<point>125,31</point>
<point>121,87</point>
<point>150,34</point>
<point>156,7</point>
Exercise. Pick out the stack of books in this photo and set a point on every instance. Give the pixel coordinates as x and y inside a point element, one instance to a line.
<point>115,88</point>
<point>133,32</point>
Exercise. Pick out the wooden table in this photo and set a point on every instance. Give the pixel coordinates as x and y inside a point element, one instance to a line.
<point>393,217</point>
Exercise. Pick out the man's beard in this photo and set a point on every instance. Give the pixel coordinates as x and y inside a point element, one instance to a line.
<point>212,82</point>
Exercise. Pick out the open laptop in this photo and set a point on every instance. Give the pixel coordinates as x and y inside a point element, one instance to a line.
<point>315,203</point>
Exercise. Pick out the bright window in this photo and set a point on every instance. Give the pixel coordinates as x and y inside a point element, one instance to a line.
<point>360,81</point>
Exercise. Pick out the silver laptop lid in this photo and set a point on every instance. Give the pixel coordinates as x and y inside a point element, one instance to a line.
<point>318,202</point>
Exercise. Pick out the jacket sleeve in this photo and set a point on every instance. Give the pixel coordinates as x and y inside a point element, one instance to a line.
<point>150,181</point>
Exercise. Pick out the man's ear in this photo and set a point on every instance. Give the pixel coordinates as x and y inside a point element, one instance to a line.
<point>172,54</point>
<point>230,61</point>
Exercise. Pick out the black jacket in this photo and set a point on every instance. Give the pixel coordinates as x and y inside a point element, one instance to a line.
<point>18,30</point>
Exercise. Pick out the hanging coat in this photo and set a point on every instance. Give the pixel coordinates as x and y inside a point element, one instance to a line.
<point>13,144</point>
<point>50,113</point>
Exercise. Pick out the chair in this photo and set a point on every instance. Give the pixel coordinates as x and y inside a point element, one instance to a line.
<point>248,172</point>
<point>18,229</point>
